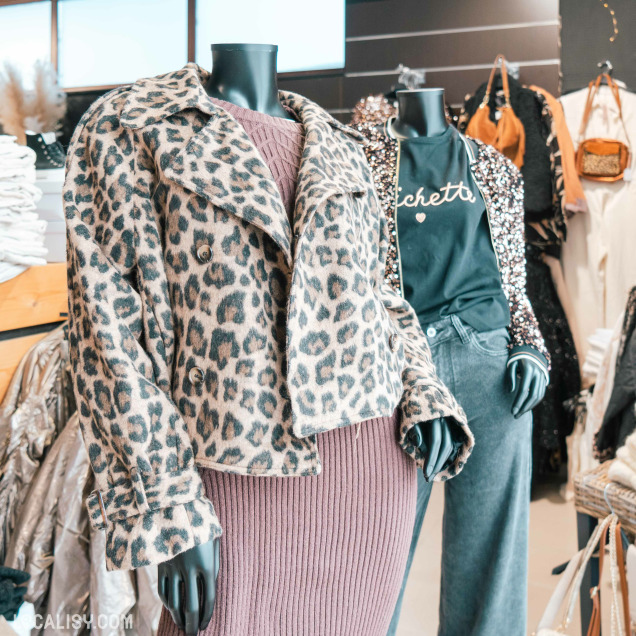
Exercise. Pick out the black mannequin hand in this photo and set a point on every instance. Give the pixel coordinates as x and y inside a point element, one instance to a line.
<point>187,586</point>
<point>528,383</point>
<point>438,440</point>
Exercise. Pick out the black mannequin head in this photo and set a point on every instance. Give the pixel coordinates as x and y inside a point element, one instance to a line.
<point>420,113</point>
<point>245,75</point>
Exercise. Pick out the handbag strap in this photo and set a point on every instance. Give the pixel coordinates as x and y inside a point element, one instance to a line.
<point>617,562</point>
<point>622,569</point>
<point>593,88</point>
<point>617,566</point>
<point>560,592</point>
<point>504,80</point>
<point>587,555</point>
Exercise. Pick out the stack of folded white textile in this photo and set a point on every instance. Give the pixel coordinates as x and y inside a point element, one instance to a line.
<point>623,468</point>
<point>598,343</point>
<point>21,230</point>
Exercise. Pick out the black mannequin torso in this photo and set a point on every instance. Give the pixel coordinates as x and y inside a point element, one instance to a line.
<point>245,75</point>
<point>420,113</point>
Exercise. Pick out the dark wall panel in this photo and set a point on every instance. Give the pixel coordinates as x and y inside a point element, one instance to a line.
<point>455,83</point>
<point>326,91</point>
<point>585,34</point>
<point>399,16</point>
<point>451,49</point>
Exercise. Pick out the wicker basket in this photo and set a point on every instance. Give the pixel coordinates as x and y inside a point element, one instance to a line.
<point>591,489</point>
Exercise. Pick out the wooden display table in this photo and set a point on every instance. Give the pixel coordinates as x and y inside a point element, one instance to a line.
<point>31,304</point>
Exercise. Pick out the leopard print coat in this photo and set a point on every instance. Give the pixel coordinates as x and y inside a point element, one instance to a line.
<point>206,330</point>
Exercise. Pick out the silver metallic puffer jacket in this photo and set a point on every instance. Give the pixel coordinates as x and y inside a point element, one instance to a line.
<point>44,530</point>
<point>34,410</point>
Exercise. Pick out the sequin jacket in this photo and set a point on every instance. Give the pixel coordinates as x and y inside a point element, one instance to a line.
<point>502,187</point>
<point>205,328</point>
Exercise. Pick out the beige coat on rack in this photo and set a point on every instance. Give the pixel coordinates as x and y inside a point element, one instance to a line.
<point>599,259</point>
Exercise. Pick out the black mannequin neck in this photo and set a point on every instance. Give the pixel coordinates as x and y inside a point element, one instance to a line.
<point>245,75</point>
<point>420,114</point>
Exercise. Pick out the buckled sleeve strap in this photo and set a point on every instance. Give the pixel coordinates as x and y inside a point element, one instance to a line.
<point>142,493</point>
<point>152,518</point>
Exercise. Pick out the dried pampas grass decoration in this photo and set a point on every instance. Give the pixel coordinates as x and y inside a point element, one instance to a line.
<point>39,110</point>
<point>47,103</point>
<point>12,103</point>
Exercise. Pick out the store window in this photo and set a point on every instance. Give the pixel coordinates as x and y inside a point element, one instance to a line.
<point>26,36</point>
<point>276,22</point>
<point>119,41</point>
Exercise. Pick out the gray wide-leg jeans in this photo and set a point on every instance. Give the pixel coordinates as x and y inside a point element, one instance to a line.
<point>486,513</point>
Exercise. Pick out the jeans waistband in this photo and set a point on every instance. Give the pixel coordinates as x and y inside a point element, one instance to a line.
<point>445,328</point>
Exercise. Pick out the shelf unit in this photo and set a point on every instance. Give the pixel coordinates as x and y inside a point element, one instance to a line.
<point>31,304</point>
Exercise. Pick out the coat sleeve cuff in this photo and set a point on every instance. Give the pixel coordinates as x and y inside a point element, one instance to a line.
<point>416,406</point>
<point>530,353</point>
<point>153,520</point>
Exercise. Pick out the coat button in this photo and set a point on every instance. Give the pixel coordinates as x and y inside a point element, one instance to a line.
<point>431,332</point>
<point>204,253</point>
<point>393,341</point>
<point>196,376</point>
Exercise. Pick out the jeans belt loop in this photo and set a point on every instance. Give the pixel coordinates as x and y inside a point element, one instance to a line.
<point>460,328</point>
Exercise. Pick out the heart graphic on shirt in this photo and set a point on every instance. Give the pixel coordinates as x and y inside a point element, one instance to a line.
<point>420,216</point>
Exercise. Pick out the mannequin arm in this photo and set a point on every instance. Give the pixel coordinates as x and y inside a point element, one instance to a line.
<point>528,382</point>
<point>193,572</point>
<point>440,440</point>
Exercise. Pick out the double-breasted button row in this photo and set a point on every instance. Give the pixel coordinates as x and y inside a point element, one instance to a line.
<point>195,375</point>
<point>204,253</point>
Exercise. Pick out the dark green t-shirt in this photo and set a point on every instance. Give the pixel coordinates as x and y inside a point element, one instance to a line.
<point>443,234</point>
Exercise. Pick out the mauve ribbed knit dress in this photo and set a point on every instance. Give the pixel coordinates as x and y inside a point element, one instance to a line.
<point>311,556</point>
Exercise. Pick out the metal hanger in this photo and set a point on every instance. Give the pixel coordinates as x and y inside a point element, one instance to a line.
<point>606,67</point>
<point>408,78</point>
<point>609,505</point>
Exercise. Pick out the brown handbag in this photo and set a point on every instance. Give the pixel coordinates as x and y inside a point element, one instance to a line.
<point>507,135</point>
<point>600,159</point>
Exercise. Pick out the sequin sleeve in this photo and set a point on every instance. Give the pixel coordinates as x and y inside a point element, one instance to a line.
<point>501,185</point>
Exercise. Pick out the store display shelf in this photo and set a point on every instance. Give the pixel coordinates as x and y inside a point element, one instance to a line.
<point>36,297</point>
<point>31,304</point>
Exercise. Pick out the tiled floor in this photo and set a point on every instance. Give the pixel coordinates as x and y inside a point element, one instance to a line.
<point>552,542</point>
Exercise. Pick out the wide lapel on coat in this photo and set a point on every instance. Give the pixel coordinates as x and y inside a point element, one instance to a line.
<point>218,160</point>
<point>330,164</point>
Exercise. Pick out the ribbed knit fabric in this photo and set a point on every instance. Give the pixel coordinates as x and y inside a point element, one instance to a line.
<point>280,142</point>
<point>311,556</point>
<point>315,556</point>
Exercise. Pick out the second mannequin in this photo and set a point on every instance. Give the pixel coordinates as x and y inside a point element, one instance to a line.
<point>455,210</point>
